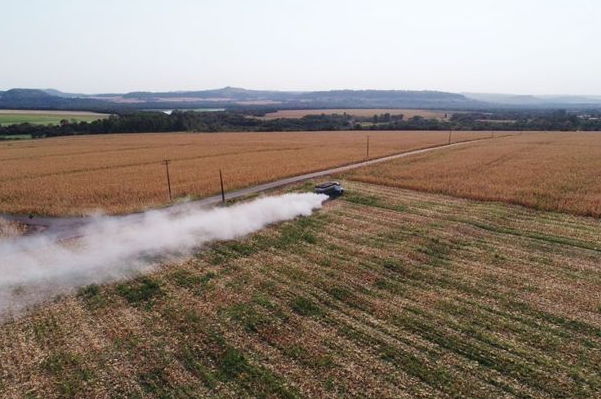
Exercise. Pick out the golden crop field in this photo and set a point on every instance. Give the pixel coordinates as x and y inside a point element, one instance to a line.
<point>550,171</point>
<point>384,293</point>
<point>122,173</point>
<point>408,113</point>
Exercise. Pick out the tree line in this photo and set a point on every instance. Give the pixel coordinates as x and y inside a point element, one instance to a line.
<point>233,121</point>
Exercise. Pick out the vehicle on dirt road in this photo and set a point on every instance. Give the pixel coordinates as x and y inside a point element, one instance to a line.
<point>332,189</point>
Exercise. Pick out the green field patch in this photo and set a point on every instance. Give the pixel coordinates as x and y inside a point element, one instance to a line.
<point>292,234</point>
<point>305,307</point>
<point>436,250</point>
<point>390,286</point>
<point>489,354</point>
<point>15,137</point>
<point>143,291</point>
<point>7,119</point>
<point>232,365</point>
<point>372,201</point>
<point>411,364</point>
<point>304,357</point>
<point>248,316</point>
<point>92,296</point>
<point>534,235</point>
<point>187,279</point>
<point>193,361</point>
<point>69,370</point>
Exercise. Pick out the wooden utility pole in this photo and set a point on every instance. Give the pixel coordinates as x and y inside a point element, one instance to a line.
<point>367,147</point>
<point>449,137</point>
<point>167,161</point>
<point>222,192</point>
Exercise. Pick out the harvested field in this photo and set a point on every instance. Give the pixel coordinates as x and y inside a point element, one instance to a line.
<point>384,293</point>
<point>36,117</point>
<point>408,113</point>
<point>548,171</point>
<point>122,173</point>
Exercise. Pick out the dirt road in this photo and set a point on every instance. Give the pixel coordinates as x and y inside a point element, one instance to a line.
<point>70,227</point>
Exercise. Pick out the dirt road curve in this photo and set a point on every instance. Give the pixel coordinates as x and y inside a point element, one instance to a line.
<point>69,227</point>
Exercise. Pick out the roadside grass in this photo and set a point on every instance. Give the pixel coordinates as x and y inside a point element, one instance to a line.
<point>384,293</point>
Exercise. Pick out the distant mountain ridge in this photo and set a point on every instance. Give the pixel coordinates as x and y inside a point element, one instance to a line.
<point>552,101</point>
<point>231,97</point>
<point>40,99</point>
<point>236,98</point>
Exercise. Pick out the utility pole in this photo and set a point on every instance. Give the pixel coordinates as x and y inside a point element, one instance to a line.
<point>167,161</point>
<point>368,147</point>
<point>222,192</point>
<point>492,134</point>
<point>449,137</point>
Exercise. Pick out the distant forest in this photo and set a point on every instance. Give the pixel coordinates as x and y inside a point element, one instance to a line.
<point>232,121</point>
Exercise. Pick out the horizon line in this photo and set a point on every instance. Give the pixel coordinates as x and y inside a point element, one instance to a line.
<point>300,91</point>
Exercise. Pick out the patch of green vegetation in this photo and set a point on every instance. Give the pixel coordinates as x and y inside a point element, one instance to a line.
<point>341,293</point>
<point>432,375</point>
<point>534,235</point>
<point>7,119</point>
<point>46,328</point>
<point>291,234</point>
<point>300,354</point>
<point>222,252</point>
<point>345,295</point>
<point>216,258</point>
<point>372,201</point>
<point>297,232</point>
<point>403,270</point>
<point>436,250</point>
<point>144,290</point>
<point>262,300</point>
<point>241,248</point>
<point>92,296</point>
<point>259,382</point>
<point>477,351</point>
<point>69,371</point>
<point>390,286</point>
<point>15,137</point>
<point>191,359</point>
<point>558,320</point>
<point>155,381</point>
<point>231,365</point>
<point>305,307</point>
<point>248,316</point>
<point>392,264</point>
<point>187,279</point>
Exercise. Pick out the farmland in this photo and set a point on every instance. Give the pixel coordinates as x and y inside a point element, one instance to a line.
<point>547,171</point>
<point>407,113</point>
<point>383,293</point>
<point>10,117</point>
<point>123,173</point>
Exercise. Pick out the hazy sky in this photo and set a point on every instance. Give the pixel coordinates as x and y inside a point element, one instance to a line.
<point>511,46</point>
